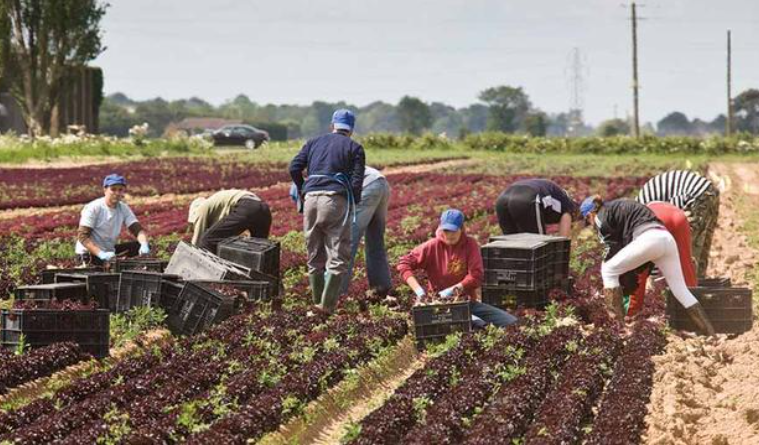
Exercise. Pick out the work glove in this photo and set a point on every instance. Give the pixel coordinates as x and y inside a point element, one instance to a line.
<point>106,256</point>
<point>419,294</point>
<point>449,293</point>
<point>144,248</point>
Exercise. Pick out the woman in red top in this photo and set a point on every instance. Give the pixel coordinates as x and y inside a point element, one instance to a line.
<point>677,224</point>
<point>453,264</point>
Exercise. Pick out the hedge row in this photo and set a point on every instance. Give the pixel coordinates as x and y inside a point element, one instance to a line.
<point>511,143</point>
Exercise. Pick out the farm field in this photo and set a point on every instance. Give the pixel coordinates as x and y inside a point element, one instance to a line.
<point>276,375</point>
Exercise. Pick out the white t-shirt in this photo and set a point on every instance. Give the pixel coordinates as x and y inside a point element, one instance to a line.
<point>105,223</point>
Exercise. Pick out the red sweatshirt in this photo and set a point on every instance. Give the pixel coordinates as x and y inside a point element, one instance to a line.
<point>446,265</point>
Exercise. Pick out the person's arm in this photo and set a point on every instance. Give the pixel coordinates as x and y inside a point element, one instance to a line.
<point>297,165</point>
<point>357,175</point>
<point>142,236</point>
<point>416,259</point>
<point>565,225</point>
<point>84,236</point>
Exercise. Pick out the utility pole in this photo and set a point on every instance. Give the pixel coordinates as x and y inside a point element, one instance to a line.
<point>636,121</point>
<point>729,121</point>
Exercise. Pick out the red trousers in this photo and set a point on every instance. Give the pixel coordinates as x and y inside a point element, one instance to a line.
<point>677,224</point>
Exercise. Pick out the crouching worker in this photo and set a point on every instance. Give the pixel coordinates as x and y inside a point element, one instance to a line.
<point>226,214</point>
<point>101,223</point>
<point>453,264</point>
<point>676,224</point>
<point>634,236</point>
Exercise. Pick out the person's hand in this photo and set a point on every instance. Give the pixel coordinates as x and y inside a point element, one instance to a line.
<point>420,294</point>
<point>144,248</point>
<point>450,292</point>
<point>106,256</point>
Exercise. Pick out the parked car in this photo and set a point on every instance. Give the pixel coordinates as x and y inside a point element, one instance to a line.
<point>250,137</point>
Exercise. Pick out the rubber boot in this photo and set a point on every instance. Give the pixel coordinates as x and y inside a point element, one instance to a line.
<point>613,298</point>
<point>331,292</point>
<point>699,318</point>
<point>316,282</point>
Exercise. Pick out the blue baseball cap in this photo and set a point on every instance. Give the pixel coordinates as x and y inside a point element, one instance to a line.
<point>452,220</point>
<point>587,206</point>
<point>114,179</point>
<point>343,119</point>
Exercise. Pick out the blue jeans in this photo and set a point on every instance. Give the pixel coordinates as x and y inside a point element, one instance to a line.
<point>371,218</point>
<point>491,314</point>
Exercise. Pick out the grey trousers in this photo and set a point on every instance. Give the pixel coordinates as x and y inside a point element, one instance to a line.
<point>371,218</point>
<point>328,235</point>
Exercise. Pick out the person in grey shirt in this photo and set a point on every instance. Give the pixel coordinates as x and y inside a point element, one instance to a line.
<point>371,218</point>
<point>101,223</point>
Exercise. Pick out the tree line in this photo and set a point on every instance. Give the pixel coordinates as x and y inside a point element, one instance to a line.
<point>502,109</point>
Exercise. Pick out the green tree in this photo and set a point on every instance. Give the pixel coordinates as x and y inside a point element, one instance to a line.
<point>536,124</point>
<point>414,115</point>
<point>613,127</point>
<point>509,108</point>
<point>746,111</point>
<point>45,38</point>
<point>675,123</point>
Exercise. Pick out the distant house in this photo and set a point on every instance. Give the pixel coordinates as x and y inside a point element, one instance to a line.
<point>195,125</point>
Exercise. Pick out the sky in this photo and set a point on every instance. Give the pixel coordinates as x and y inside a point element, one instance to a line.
<point>361,51</point>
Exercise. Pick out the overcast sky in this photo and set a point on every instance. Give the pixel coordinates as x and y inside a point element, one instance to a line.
<point>298,51</point>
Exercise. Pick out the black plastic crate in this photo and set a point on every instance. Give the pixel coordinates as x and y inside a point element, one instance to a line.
<point>516,249</point>
<point>139,288</point>
<point>518,279</point>
<point>90,329</point>
<point>140,264</point>
<point>170,291</point>
<point>48,275</point>
<point>250,290</point>
<point>730,310</point>
<point>101,287</point>
<point>506,298</point>
<point>192,263</point>
<point>558,271</point>
<point>714,282</point>
<point>257,254</point>
<point>435,322</point>
<point>199,307</point>
<point>53,291</point>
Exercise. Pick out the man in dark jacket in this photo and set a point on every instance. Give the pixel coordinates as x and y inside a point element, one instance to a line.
<point>335,167</point>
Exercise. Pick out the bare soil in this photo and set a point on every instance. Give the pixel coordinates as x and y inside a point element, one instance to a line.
<point>706,390</point>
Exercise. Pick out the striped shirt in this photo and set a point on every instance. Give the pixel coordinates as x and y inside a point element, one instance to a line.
<point>678,187</point>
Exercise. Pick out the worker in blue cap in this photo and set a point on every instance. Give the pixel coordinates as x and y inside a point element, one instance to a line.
<point>634,236</point>
<point>328,197</point>
<point>101,222</point>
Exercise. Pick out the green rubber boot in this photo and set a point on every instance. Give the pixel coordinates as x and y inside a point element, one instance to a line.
<point>316,282</point>
<point>331,292</point>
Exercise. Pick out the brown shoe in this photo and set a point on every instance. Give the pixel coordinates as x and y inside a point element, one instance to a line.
<point>699,318</point>
<point>613,298</point>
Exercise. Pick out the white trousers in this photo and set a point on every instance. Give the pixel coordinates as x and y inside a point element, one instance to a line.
<point>658,246</point>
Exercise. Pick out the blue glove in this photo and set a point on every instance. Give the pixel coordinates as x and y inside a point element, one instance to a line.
<point>420,293</point>
<point>106,256</point>
<point>294,192</point>
<point>448,293</point>
<point>144,248</point>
